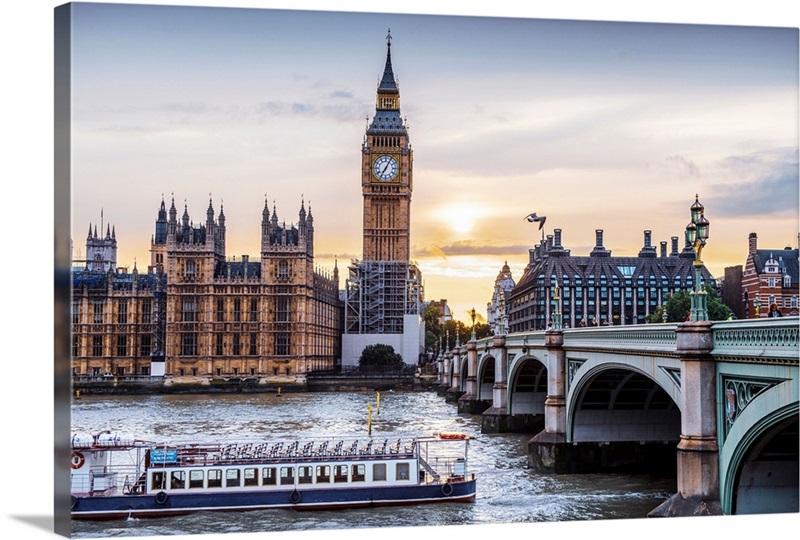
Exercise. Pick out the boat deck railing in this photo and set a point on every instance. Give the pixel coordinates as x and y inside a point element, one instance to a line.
<point>218,454</point>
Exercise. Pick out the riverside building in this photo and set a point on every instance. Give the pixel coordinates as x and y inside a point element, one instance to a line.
<point>598,289</point>
<point>197,315</point>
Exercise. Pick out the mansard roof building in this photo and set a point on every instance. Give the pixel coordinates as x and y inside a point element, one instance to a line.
<point>598,289</point>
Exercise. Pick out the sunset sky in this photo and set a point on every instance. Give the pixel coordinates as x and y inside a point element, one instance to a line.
<point>595,125</point>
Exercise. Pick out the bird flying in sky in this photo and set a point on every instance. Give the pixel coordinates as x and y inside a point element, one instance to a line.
<point>533,217</point>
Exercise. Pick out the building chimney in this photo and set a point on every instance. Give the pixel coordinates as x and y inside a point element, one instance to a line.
<point>648,250</point>
<point>557,239</point>
<point>663,249</point>
<point>599,250</point>
<point>752,243</point>
<point>674,252</point>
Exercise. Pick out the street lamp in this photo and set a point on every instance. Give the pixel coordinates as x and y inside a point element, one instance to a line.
<point>696,236</point>
<point>664,313</point>
<point>473,324</point>
<point>556,310</point>
<point>757,304</point>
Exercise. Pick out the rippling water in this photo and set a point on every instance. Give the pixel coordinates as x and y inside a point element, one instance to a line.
<point>507,491</point>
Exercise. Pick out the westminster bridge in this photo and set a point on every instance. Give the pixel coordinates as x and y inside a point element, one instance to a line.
<point>717,402</point>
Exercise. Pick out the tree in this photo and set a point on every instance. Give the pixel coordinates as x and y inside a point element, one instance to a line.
<point>433,329</point>
<point>380,357</point>
<point>679,304</point>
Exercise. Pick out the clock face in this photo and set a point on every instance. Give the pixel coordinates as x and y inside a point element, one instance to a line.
<point>385,168</point>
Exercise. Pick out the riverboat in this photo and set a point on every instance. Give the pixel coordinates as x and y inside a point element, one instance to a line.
<point>115,476</point>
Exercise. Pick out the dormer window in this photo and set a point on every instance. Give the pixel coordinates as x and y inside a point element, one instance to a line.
<point>771,266</point>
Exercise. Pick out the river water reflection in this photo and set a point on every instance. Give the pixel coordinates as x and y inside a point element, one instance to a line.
<point>507,491</point>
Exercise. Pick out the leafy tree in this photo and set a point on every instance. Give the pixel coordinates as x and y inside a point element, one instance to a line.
<point>433,330</point>
<point>482,330</point>
<point>679,304</point>
<point>380,357</point>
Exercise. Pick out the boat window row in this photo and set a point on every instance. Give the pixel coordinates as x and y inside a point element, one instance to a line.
<point>236,477</point>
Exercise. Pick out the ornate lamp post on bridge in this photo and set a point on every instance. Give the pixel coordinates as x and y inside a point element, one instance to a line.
<point>556,310</point>
<point>757,304</point>
<point>472,313</point>
<point>696,236</point>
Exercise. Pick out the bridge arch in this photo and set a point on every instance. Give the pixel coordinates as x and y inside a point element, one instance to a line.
<point>616,402</point>
<point>759,460</point>
<point>527,386</point>
<point>486,377</point>
<point>451,368</point>
<point>463,366</point>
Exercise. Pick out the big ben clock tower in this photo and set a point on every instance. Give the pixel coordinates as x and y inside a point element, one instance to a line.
<point>384,290</point>
<point>386,175</point>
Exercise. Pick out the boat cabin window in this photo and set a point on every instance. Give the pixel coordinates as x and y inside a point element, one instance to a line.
<point>287,476</point>
<point>401,472</point>
<point>323,474</point>
<point>214,478</point>
<point>158,480</point>
<point>304,474</point>
<point>359,472</point>
<point>196,479</point>
<point>339,473</point>
<point>232,477</point>
<point>251,476</point>
<point>177,480</point>
<point>378,472</point>
<point>270,476</point>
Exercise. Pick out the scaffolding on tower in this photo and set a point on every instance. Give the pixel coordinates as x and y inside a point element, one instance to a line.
<point>379,294</point>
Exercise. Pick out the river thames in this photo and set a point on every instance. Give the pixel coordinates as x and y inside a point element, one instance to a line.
<point>508,492</point>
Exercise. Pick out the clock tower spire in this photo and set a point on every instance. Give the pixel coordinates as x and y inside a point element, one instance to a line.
<point>386,174</point>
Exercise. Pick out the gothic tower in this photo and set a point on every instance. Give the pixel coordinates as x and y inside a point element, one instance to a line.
<point>386,174</point>
<point>384,290</point>
<point>101,251</point>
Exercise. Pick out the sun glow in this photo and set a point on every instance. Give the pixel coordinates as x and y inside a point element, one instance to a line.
<point>461,217</point>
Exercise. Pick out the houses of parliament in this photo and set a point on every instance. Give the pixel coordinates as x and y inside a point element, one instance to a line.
<point>195,316</point>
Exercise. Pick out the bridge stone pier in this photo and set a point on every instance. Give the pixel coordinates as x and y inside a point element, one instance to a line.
<point>716,404</point>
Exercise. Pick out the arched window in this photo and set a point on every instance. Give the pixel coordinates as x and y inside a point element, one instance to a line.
<point>283,271</point>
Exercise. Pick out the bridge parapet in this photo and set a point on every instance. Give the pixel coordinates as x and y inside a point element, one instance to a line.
<point>758,340</point>
<point>647,338</point>
<point>533,339</point>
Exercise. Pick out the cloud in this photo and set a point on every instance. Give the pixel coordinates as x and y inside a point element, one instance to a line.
<point>466,247</point>
<point>682,166</point>
<point>335,111</point>
<point>758,184</point>
<point>346,94</point>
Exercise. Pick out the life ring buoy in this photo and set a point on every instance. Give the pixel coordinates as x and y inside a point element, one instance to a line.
<point>447,489</point>
<point>161,497</point>
<point>454,436</point>
<point>77,460</point>
<point>295,497</point>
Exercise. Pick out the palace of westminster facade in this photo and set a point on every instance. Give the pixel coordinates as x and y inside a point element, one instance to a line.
<point>195,316</point>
